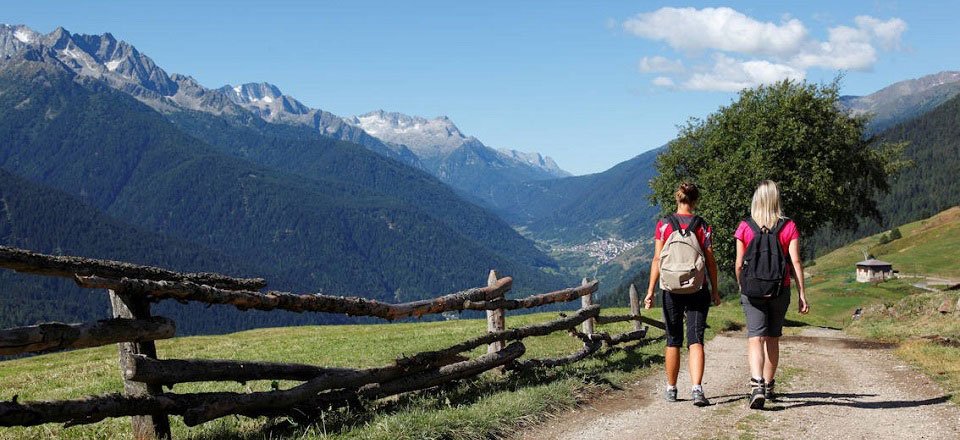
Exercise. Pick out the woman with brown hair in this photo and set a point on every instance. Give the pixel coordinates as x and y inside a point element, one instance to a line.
<point>683,252</point>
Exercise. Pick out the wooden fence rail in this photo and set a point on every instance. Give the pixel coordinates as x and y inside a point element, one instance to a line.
<point>132,289</point>
<point>58,336</point>
<point>66,266</point>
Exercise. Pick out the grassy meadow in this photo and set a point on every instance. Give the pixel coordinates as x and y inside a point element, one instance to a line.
<point>490,405</point>
<point>494,405</point>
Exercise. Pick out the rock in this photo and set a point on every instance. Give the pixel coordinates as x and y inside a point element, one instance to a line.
<point>946,306</point>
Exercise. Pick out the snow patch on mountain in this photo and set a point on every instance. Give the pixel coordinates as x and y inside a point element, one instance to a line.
<point>437,140</point>
<point>428,138</point>
<point>24,35</point>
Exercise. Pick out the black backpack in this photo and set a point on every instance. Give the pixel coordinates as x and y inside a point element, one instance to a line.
<point>764,265</point>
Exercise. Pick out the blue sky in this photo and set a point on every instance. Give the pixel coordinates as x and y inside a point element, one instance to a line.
<point>590,83</point>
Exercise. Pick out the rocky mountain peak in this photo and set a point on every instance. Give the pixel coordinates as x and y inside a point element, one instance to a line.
<point>428,138</point>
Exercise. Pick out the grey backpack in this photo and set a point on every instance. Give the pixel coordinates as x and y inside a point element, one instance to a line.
<point>682,263</point>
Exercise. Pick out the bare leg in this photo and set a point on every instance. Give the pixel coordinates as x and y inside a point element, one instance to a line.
<point>771,347</point>
<point>755,356</point>
<point>672,365</point>
<point>696,361</point>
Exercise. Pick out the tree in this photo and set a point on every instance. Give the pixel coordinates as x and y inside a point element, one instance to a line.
<point>895,234</point>
<point>793,133</point>
<point>884,239</point>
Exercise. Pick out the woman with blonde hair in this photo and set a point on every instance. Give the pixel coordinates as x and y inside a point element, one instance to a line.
<point>768,254</point>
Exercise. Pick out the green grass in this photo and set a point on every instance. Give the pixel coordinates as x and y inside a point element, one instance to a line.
<point>927,247</point>
<point>907,322</point>
<point>895,311</point>
<point>491,405</point>
<point>469,409</point>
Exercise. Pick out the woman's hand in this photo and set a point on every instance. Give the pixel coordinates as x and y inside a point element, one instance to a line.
<point>715,295</point>
<point>648,301</point>
<point>803,305</point>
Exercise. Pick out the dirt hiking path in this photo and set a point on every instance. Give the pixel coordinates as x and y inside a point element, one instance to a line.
<point>835,387</point>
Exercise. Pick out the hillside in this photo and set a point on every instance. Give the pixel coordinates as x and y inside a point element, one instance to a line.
<point>124,159</point>
<point>492,404</point>
<point>301,151</point>
<point>925,248</point>
<point>582,208</point>
<point>38,217</point>
<point>896,311</point>
<point>904,100</point>
<point>923,189</point>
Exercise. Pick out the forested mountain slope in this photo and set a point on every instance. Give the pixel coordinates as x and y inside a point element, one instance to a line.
<point>305,233</point>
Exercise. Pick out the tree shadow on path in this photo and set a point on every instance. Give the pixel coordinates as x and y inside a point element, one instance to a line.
<point>787,401</point>
<point>804,399</point>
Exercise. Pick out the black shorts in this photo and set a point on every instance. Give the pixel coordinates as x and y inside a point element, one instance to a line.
<point>693,306</point>
<point>765,316</point>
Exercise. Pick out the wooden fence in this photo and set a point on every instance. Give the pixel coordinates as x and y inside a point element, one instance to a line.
<point>133,288</point>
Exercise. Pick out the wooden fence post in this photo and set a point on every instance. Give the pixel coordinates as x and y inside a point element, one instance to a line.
<point>152,427</point>
<point>495,318</point>
<point>587,301</point>
<point>635,307</point>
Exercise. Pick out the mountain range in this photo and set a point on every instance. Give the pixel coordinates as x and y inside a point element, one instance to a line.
<point>438,146</point>
<point>302,208</point>
<point>383,204</point>
<point>904,100</point>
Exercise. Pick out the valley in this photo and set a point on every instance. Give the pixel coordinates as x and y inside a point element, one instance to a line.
<point>315,146</point>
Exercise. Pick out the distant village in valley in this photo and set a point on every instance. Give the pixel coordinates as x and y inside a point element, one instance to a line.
<point>604,250</point>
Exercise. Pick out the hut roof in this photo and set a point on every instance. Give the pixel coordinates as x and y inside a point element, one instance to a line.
<point>873,262</point>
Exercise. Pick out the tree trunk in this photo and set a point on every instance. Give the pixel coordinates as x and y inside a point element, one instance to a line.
<point>538,300</point>
<point>587,301</point>
<point>192,406</point>
<point>151,425</point>
<point>254,402</point>
<point>57,336</point>
<point>635,306</point>
<point>244,300</point>
<point>495,318</point>
<point>174,371</point>
<point>64,266</point>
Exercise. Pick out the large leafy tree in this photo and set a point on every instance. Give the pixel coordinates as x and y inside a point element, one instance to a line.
<point>794,133</point>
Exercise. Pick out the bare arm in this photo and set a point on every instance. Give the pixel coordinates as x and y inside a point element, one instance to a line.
<point>738,267</point>
<point>798,274</point>
<point>714,278</point>
<point>654,273</point>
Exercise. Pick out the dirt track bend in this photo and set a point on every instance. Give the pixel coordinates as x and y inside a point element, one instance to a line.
<point>841,388</point>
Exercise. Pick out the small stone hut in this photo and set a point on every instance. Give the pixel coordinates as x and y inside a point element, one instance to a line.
<point>872,270</point>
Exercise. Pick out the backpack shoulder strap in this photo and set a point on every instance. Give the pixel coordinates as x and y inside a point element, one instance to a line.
<point>674,224</point>
<point>775,230</point>
<point>696,222</point>
<point>753,226</point>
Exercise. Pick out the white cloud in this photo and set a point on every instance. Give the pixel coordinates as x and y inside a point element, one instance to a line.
<point>732,75</point>
<point>888,32</point>
<point>717,28</point>
<point>663,81</point>
<point>659,64</point>
<point>747,52</point>
<point>847,48</point>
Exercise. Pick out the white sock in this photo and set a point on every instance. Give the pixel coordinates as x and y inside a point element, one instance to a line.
<point>671,387</point>
<point>696,388</point>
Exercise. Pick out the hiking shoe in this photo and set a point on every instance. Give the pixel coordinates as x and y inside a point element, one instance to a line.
<point>699,399</point>
<point>768,391</point>
<point>670,395</point>
<point>757,394</point>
